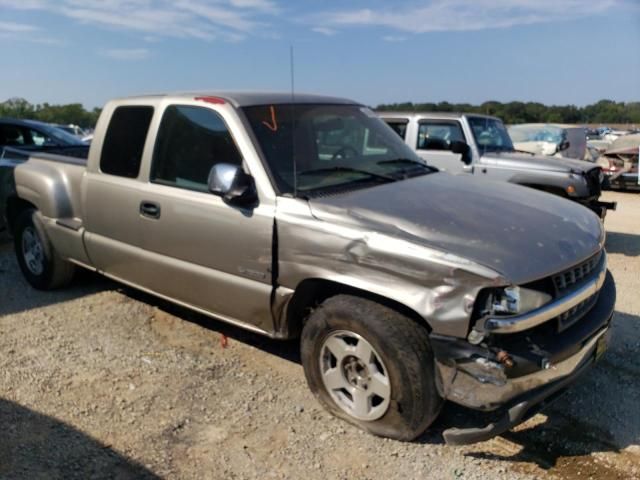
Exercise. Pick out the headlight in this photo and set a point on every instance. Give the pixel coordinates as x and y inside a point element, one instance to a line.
<point>514,300</point>
<point>511,300</point>
<point>506,301</point>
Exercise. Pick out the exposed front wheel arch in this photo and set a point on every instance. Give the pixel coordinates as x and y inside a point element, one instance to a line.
<point>310,293</point>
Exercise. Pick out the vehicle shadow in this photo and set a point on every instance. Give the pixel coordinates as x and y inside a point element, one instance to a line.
<point>625,243</point>
<point>36,446</point>
<point>16,295</point>
<point>288,350</point>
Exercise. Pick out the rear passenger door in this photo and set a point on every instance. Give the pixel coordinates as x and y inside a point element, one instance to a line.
<point>112,194</point>
<point>203,251</point>
<point>434,144</point>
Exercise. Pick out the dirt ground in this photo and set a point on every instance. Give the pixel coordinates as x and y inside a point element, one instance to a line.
<point>99,381</point>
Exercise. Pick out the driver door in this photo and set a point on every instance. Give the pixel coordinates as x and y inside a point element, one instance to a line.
<point>434,144</point>
<point>201,250</point>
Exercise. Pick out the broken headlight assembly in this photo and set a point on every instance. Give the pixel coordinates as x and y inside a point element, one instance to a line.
<point>505,301</point>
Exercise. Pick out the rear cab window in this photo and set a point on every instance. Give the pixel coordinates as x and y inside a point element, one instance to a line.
<point>438,134</point>
<point>124,142</point>
<point>398,126</point>
<point>12,135</point>
<point>190,141</point>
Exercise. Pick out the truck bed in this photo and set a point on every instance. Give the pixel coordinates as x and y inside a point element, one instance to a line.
<point>10,158</point>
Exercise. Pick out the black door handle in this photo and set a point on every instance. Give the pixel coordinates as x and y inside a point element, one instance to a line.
<point>150,209</point>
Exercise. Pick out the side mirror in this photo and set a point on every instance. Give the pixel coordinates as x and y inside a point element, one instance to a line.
<point>564,146</point>
<point>463,149</point>
<point>232,184</point>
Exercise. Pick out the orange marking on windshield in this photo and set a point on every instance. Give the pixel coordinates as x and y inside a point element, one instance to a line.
<point>273,126</point>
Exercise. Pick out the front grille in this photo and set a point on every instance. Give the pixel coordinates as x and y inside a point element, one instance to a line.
<point>575,276</point>
<point>568,318</point>
<point>593,181</point>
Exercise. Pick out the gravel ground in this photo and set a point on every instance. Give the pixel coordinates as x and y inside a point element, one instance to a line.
<point>99,381</point>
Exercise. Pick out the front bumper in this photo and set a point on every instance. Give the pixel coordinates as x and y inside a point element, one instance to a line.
<point>521,409</point>
<point>623,180</point>
<point>540,371</point>
<point>598,207</point>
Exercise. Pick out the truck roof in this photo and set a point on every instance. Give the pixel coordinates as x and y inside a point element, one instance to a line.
<point>249,98</point>
<point>437,115</point>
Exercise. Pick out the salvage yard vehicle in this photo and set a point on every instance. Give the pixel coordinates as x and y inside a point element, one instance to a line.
<point>310,218</point>
<point>480,145</point>
<point>38,136</point>
<point>565,141</point>
<point>620,162</point>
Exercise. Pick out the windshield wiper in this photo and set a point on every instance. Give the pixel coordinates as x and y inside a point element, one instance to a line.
<point>407,160</point>
<point>340,168</point>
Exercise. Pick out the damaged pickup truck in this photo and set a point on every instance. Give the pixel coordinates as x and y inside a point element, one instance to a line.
<point>312,219</point>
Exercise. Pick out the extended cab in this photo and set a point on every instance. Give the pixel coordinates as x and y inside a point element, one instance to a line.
<point>312,219</point>
<point>480,145</point>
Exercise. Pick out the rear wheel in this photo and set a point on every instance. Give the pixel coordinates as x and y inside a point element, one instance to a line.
<point>371,366</point>
<point>40,264</point>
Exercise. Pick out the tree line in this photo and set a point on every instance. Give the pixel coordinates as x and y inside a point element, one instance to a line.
<point>602,112</point>
<point>72,113</point>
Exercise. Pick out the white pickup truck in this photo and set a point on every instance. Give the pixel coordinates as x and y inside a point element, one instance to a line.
<point>480,145</point>
<point>311,218</point>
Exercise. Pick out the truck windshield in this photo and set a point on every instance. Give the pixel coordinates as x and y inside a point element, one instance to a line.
<point>490,135</point>
<point>331,146</point>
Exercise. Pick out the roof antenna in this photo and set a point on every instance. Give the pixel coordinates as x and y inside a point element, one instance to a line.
<point>293,124</point>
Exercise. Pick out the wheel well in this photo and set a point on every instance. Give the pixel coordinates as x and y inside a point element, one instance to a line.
<point>312,292</point>
<point>15,206</point>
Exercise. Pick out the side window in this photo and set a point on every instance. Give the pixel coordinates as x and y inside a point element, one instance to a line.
<point>399,127</point>
<point>39,138</point>
<point>438,135</point>
<point>124,141</point>
<point>11,135</point>
<point>190,141</point>
<point>339,137</point>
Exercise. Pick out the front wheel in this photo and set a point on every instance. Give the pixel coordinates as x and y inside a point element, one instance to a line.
<point>371,366</point>
<point>40,263</point>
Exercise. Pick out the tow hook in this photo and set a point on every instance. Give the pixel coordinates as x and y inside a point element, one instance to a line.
<point>504,358</point>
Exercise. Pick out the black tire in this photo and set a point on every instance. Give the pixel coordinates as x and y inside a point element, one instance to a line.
<point>402,346</point>
<point>52,271</point>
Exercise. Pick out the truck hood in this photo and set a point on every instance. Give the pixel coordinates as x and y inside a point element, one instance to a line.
<point>537,162</point>
<point>521,233</point>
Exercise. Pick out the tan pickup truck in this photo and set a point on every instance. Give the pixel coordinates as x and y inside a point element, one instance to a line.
<point>311,218</point>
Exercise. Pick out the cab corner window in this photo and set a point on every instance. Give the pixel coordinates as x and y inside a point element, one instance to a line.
<point>191,140</point>
<point>399,127</point>
<point>438,135</point>
<point>124,141</point>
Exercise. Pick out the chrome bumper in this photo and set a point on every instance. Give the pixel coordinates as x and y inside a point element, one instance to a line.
<point>518,323</point>
<point>494,389</point>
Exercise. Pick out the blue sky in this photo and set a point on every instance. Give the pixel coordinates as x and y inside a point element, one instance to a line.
<point>552,51</point>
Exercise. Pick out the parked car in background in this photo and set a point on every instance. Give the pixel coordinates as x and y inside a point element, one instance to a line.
<point>480,145</point>
<point>310,218</point>
<point>72,129</point>
<point>32,135</point>
<point>620,162</point>
<point>566,141</point>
